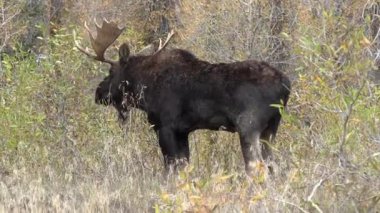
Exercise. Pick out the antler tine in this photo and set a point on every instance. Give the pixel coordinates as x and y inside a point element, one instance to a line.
<point>161,47</point>
<point>98,25</point>
<point>106,34</point>
<point>83,50</point>
<point>160,43</point>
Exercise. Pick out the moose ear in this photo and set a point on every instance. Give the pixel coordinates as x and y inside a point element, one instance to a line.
<point>124,52</point>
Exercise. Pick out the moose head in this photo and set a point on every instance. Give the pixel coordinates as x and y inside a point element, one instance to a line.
<point>112,90</point>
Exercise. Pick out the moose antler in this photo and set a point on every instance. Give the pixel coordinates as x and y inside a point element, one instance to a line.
<point>105,36</point>
<point>162,46</point>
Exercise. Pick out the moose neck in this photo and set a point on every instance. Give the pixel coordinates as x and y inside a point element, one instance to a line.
<point>136,72</point>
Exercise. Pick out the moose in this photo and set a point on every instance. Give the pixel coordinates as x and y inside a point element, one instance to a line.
<point>181,93</point>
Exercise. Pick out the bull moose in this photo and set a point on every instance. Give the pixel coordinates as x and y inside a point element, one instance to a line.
<point>181,93</point>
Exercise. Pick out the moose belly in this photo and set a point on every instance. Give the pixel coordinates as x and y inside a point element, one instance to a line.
<point>208,115</point>
<point>216,122</point>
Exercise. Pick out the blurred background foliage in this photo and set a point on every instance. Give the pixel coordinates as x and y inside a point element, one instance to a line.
<point>61,152</point>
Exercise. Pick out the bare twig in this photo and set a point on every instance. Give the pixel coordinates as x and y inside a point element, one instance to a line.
<point>314,190</point>
<point>309,198</point>
<point>321,107</point>
<point>4,32</point>
<point>291,204</point>
<point>7,20</point>
<point>345,123</point>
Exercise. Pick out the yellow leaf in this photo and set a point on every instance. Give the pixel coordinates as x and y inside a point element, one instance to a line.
<point>195,199</point>
<point>260,166</point>
<point>185,187</point>
<point>349,135</point>
<point>365,41</point>
<point>165,197</point>
<point>182,175</point>
<point>343,48</point>
<point>284,34</point>
<point>258,197</point>
<point>189,168</point>
<point>223,178</point>
<point>156,208</point>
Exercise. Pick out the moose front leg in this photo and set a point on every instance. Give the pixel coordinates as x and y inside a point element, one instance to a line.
<point>183,146</point>
<point>174,146</point>
<point>168,145</point>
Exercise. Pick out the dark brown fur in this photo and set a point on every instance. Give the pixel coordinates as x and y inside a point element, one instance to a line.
<point>181,93</point>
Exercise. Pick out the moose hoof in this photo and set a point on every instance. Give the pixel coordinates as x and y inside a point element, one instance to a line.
<point>258,170</point>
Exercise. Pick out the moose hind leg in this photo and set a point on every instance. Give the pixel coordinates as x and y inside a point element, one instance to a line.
<point>250,125</point>
<point>250,146</point>
<point>268,136</point>
<point>266,141</point>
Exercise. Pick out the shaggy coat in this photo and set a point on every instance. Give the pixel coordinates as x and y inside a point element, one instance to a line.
<point>181,93</point>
